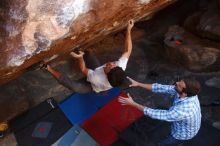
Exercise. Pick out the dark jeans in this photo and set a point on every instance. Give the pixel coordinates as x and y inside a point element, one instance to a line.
<point>81,86</point>
<point>170,141</point>
<point>91,60</point>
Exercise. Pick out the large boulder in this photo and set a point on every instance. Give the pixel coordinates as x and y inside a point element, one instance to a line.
<point>205,23</point>
<point>187,50</point>
<point>33,30</point>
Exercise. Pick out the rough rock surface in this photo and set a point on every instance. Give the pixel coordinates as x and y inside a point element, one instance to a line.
<point>213,82</point>
<point>33,30</point>
<point>206,23</point>
<point>190,51</point>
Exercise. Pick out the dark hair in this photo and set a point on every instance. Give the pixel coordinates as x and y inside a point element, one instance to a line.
<point>192,86</point>
<point>116,76</point>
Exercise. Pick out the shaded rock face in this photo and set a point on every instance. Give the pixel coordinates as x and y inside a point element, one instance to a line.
<point>190,51</point>
<point>195,45</point>
<point>13,100</point>
<point>33,30</point>
<point>206,23</point>
<point>213,82</point>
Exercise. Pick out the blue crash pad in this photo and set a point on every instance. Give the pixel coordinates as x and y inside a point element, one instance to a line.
<point>75,136</point>
<point>78,107</point>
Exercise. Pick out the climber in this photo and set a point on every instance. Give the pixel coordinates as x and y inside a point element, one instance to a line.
<point>99,78</point>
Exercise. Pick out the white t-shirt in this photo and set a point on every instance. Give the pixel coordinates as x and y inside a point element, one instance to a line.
<point>98,78</point>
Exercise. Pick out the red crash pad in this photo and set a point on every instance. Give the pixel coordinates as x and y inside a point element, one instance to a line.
<point>106,125</point>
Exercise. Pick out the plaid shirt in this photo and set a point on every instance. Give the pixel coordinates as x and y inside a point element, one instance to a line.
<point>185,114</point>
